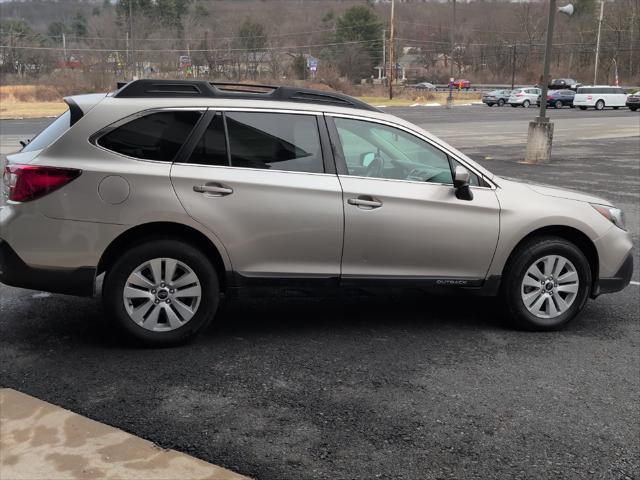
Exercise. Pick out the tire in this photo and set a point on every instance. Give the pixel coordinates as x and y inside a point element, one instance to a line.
<point>519,284</point>
<point>501,103</point>
<point>526,104</point>
<point>599,104</point>
<point>583,108</point>
<point>633,109</point>
<point>170,318</point>
<point>557,104</point>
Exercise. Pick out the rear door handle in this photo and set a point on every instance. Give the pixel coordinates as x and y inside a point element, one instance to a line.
<point>213,189</point>
<point>365,201</point>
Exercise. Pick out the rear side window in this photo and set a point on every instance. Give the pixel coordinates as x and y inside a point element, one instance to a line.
<point>211,149</point>
<point>156,136</point>
<point>277,141</point>
<point>47,136</point>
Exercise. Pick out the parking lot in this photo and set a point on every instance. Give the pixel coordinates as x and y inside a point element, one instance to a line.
<point>402,386</point>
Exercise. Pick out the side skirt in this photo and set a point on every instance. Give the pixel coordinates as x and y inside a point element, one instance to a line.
<point>266,285</point>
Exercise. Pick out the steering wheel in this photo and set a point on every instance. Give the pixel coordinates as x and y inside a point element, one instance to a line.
<point>375,168</point>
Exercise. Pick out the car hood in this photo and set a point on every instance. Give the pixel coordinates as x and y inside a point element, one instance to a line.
<point>550,191</point>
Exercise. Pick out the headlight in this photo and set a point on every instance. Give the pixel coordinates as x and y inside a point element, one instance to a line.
<point>614,215</point>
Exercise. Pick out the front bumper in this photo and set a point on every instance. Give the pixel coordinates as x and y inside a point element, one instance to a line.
<point>616,283</point>
<point>16,273</point>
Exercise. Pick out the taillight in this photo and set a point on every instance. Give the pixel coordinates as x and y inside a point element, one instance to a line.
<point>549,97</point>
<point>28,182</point>
<point>519,94</point>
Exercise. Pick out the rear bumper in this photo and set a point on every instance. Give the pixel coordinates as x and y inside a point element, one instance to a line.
<point>16,273</point>
<point>616,283</point>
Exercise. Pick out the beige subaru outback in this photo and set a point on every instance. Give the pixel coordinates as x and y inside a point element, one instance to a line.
<point>183,192</point>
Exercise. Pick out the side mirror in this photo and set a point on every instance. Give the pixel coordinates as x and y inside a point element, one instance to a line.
<point>461,183</point>
<point>367,158</point>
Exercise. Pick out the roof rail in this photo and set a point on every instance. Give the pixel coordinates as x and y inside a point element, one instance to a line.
<point>149,88</point>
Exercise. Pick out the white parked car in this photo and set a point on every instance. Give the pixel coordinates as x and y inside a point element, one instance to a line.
<point>600,96</point>
<point>523,97</point>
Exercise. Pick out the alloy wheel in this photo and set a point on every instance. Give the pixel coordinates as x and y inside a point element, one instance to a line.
<point>162,294</point>
<point>550,286</point>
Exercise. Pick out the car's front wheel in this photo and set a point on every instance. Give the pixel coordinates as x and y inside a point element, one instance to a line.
<point>161,292</point>
<point>500,102</point>
<point>546,283</point>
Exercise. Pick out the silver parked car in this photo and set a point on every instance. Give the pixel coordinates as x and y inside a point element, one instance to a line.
<point>180,192</point>
<point>523,97</point>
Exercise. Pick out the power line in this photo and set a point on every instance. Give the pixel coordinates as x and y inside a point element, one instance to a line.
<point>160,50</point>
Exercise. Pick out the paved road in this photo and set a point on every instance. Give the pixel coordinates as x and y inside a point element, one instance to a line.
<point>400,386</point>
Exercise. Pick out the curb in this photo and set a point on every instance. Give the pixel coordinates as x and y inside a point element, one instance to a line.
<point>39,440</point>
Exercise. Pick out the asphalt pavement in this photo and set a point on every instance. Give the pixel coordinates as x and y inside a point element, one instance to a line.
<point>361,387</point>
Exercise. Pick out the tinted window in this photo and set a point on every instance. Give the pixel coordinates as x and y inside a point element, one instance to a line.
<point>276,141</point>
<point>379,151</point>
<point>211,149</point>
<point>157,136</point>
<point>51,133</point>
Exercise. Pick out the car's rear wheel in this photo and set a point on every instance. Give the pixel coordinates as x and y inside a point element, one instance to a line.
<point>633,109</point>
<point>557,104</point>
<point>599,104</point>
<point>162,292</point>
<point>500,102</point>
<point>526,104</point>
<point>546,283</point>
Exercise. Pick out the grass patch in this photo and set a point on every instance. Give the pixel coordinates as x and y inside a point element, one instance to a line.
<point>403,100</point>
<point>30,109</point>
<point>30,101</point>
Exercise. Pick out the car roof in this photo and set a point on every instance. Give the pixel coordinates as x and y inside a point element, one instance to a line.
<point>201,89</point>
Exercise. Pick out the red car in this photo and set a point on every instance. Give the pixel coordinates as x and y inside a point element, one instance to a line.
<point>461,83</point>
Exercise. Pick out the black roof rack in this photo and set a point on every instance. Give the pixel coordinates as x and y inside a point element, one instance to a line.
<point>149,88</point>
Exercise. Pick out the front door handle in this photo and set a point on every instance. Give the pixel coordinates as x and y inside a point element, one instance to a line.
<point>365,201</point>
<point>213,189</point>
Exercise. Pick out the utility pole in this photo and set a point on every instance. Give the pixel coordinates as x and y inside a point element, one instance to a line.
<point>64,48</point>
<point>513,66</point>
<point>384,54</point>
<point>391,59</point>
<point>595,70</point>
<point>631,31</point>
<point>128,56</point>
<point>452,34</point>
<point>134,69</point>
<point>541,129</point>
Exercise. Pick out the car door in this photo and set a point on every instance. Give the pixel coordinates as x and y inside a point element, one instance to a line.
<point>402,217</point>
<point>258,180</point>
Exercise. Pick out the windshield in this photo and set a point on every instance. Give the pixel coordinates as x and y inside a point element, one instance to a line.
<point>50,134</point>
